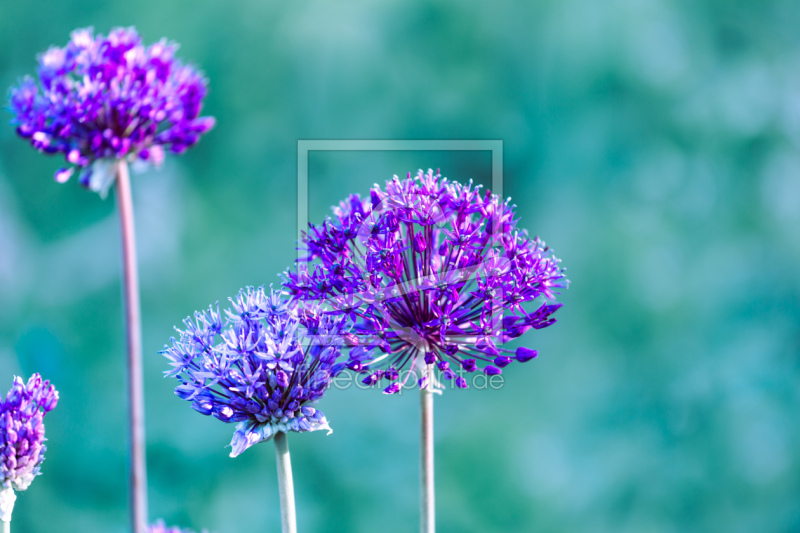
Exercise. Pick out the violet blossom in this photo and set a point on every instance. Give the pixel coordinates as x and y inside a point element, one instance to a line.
<point>22,437</point>
<point>433,272</point>
<point>100,99</point>
<point>261,365</point>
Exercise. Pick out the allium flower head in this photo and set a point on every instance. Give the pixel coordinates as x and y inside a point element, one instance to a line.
<point>260,365</point>
<point>100,99</point>
<point>22,436</point>
<point>434,273</point>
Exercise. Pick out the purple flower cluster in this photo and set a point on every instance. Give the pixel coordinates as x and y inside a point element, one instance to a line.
<point>22,436</point>
<point>262,365</point>
<point>434,273</point>
<point>22,430</point>
<point>100,99</point>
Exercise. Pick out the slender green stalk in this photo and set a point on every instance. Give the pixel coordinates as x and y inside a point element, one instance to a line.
<point>427,496</point>
<point>137,471</point>
<point>285,483</point>
<point>7,527</point>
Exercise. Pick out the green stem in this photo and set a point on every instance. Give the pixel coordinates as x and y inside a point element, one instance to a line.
<point>7,527</point>
<point>427,496</point>
<point>285,483</point>
<point>137,490</point>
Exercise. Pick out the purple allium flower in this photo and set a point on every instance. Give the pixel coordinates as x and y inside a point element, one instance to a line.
<point>160,527</point>
<point>433,273</point>
<point>22,437</point>
<point>262,365</point>
<point>100,99</point>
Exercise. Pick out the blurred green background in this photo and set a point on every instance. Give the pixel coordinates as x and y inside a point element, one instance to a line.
<point>652,143</point>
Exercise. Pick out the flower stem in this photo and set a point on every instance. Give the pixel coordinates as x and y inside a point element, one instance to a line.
<point>7,499</point>
<point>285,483</point>
<point>138,474</point>
<point>427,496</point>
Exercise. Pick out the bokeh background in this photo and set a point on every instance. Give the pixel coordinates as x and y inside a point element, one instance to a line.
<point>652,143</point>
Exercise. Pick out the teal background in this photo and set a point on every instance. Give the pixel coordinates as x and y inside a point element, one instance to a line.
<point>652,143</point>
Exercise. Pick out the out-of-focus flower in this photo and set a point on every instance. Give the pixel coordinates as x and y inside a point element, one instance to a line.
<point>100,99</point>
<point>434,273</point>
<point>22,437</point>
<point>262,365</point>
<point>160,527</point>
